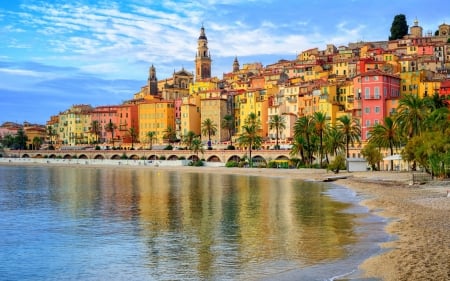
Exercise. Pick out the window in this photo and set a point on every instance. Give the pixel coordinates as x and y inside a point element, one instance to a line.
<point>367,92</point>
<point>367,123</point>
<point>377,109</point>
<point>366,78</point>
<point>367,110</point>
<point>376,122</point>
<point>377,92</point>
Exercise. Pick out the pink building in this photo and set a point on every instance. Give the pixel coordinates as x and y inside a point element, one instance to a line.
<point>374,90</point>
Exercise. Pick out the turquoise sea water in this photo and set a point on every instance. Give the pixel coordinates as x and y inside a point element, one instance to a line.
<point>75,223</point>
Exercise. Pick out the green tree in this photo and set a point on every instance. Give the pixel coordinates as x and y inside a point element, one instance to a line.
<point>249,136</point>
<point>111,127</point>
<point>334,142</point>
<point>228,124</point>
<point>37,142</point>
<point>209,128</point>
<point>411,114</point>
<point>21,139</point>
<point>196,146</point>
<point>51,133</point>
<point>373,155</point>
<point>351,131</point>
<point>304,130</point>
<point>386,135</point>
<point>189,138</point>
<point>151,135</point>
<point>321,127</point>
<point>399,27</point>
<point>298,145</point>
<point>278,123</point>
<point>95,129</point>
<point>132,132</point>
<point>170,135</point>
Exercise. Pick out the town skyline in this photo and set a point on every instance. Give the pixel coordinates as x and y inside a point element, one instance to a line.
<point>34,88</point>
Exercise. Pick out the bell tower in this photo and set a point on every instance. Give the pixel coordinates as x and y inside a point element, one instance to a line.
<point>152,81</point>
<point>203,57</point>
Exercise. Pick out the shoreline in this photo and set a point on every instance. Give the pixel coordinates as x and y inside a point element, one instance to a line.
<point>417,215</point>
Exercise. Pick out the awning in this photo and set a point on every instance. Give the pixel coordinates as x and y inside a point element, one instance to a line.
<point>393,157</point>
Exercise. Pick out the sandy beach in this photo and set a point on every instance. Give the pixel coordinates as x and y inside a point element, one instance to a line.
<point>418,215</point>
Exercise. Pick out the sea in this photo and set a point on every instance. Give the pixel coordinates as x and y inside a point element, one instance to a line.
<point>115,223</point>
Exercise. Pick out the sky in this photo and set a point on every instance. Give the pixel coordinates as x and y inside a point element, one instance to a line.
<point>57,53</point>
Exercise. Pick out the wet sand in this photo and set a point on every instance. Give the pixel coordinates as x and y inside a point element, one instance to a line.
<point>418,215</point>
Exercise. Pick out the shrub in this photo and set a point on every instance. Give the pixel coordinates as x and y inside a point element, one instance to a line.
<point>97,147</point>
<point>231,147</point>
<point>162,157</point>
<point>231,164</point>
<point>198,163</point>
<point>124,156</point>
<point>182,158</point>
<point>272,164</point>
<point>337,164</point>
<point>168,147</point>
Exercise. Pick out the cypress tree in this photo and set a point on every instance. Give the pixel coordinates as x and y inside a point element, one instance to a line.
<point>399,27</point>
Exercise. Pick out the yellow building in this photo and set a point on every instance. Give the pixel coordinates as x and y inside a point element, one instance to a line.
<point>253,101</point>
<point>215,108</point>
<point>74,125</point>
<point>156,116</point>
<point>190,115</point>
<point>409,83</point>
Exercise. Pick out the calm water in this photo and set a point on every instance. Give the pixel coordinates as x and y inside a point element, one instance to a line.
<point>60,223</point>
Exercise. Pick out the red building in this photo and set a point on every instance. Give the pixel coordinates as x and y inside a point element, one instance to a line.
<point>375,94</point>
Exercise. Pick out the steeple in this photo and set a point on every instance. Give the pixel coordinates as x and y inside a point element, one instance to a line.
<point>152,81</point>
<point>203,57</point>
<point>236,65</point>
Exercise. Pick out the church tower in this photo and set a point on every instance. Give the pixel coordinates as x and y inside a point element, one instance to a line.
<point>152,81</point>
<point>235,65</point>
<point>203,57</point>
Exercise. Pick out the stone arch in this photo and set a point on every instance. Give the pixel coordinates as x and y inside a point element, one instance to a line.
<point>213,158</point>
<point>67,156</point>
<point>172,157</point>
<point>134,157</point>
<point>282,157</point>
<point>82,156</point>
<point>258,159</point>
<point>234,158</point>
<point>115,157</point>
<point>193,158</point>
<point>153,157</point>
<point>25,156</point>
<point>99,156</point>
<point>52,156</point>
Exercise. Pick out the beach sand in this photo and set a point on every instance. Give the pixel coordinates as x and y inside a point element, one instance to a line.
<point>418,216</point>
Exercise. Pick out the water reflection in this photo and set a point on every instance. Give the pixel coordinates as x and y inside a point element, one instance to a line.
<point>204,226</point>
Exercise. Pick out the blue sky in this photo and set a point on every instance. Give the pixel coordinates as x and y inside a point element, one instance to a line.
<point>57,53</point>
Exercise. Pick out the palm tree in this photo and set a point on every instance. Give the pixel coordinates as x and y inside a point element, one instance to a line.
<point>411,114</point>
<point>133,136</point>
<point>386,136</point>
<point>228,124</point>
<point>21,139</point>
<point>37,142</point>
<point>196,146</point>
<point>321,127</point>
<point>51,132</point>
<point>111,127</point>
<point>351,131</point>
<point>298,145</point>
<point>303,128</point>
<point>95,129</point>
<point>151,135</point>
<point>170,135</point>
<point>189,138</point>
<point>250,137</point>
<point>334,143</point>
<point>209,129</point>
<point>278,123</point>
